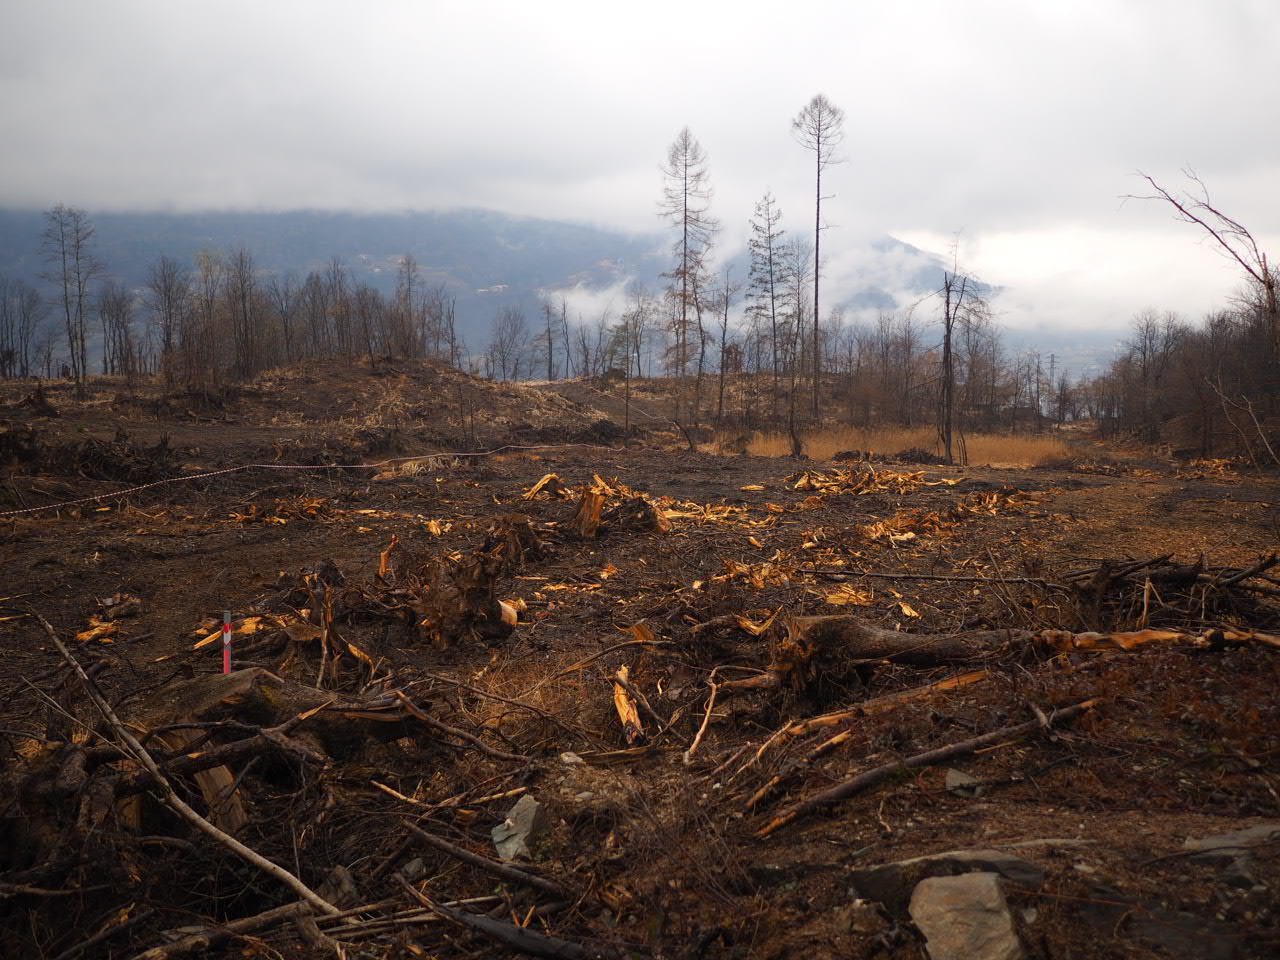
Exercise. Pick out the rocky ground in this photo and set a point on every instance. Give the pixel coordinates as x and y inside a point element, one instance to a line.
<point>702,706</point>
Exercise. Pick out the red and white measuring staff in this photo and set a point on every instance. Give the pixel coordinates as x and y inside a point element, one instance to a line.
<point>226,641</point>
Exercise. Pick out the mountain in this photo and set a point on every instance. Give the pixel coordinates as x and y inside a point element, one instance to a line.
<point>488,260</point>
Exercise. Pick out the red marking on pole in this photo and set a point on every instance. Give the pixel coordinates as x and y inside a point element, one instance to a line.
<point>226,641</point>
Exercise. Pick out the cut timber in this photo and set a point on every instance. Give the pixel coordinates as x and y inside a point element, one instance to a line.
<point>628,713</point>
<point>550,485</point>
<point>586,518</point>
<point>799,644</point>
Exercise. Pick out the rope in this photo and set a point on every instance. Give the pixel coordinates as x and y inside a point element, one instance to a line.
<point>452,455</point>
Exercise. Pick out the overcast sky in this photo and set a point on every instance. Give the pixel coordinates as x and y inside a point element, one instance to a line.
<point>1018,124</point>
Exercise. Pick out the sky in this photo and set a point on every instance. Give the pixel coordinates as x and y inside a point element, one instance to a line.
<point>1007,130</point>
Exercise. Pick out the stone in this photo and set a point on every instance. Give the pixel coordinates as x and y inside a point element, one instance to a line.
<point>892,883</point>
<point>1223,848</point>
<point>339,888</point>
<point>963,785</point>
<point>525,820</point>
<point>1239,874</point>
<point>414,870</point>
<point>965,918</point>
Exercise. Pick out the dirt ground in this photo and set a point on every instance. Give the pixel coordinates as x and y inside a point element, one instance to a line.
<point>669,800</point>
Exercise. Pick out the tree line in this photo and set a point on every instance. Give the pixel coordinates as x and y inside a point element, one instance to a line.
<point>1204,388</point>
<point>740,353</point>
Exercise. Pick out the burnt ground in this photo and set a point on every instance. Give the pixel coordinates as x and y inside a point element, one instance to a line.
<point>658,856</point>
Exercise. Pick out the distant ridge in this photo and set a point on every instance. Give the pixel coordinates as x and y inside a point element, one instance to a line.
<point>487,259</point>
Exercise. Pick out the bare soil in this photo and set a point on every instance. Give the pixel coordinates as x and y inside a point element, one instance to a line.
<point>663,857</point>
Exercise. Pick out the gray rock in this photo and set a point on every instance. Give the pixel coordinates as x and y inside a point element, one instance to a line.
<point>414,870</point>
<point>1223,848</point>
<point>1239,874</point>
<point>893,883</point>
<point>965,918</point>
<point>963,785</point>
<point>339,888</point>
<point>525,820</point>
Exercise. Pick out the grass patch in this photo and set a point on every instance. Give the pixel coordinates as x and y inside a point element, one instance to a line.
<point>983,449</point>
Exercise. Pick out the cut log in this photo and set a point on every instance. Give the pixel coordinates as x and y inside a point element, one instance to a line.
<point>802,647</point>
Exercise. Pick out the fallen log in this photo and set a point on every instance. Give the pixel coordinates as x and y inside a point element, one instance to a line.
<point>214,936</point>
<point>840,643</point>
<point>520,939</point>
<point>799,644</point>
<point>877,775</point>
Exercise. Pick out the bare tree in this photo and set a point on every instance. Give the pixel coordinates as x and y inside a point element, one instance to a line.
<point>22,309</point>
<point>686,196</point>
<point>963,307</point>
<point>547,339</point>
<point>168,290</point>
<point>283,298</point>
<point>115,312</point>
<point>439,319</point>
<point>369,311</point>
<point>315,300</point>
<point>819,128</point>
<point>1234,240</point>
<point>199,340</point>
<point>723,301</point>
<point>767,277</point>
<point>508,343</point>
<point>240,289</point>
<point>72,268</point>
<point>407,323</point>
<point>569,372</point>
<point>337,281</point>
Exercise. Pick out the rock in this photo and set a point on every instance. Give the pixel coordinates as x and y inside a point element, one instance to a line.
<point>570,758</point>
<point>1223,848</point>
<point>1238,874</point>
<point>1234,850</point>
<point>965,918</point>
<point>893,883</point>
<point>339,888</point>
<point>963,785</point>
<point>525,820</point>
<point>414,870</point>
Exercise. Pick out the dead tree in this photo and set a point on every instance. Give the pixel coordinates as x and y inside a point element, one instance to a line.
<point>1234,240</point>
<point>819,128</point>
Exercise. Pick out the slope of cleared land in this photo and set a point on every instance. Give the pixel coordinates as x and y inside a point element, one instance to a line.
<point>716,774</point>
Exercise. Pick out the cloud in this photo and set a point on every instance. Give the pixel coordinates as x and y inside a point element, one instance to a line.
<point>996,117</point>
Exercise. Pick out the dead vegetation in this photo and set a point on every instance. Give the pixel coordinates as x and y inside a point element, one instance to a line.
<point>582,703</point>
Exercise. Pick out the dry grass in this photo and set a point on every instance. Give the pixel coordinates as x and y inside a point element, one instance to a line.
<point>983,449</point>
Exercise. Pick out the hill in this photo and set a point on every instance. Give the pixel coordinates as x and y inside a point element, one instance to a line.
<point>487,259</point>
